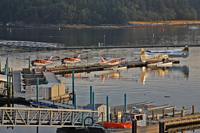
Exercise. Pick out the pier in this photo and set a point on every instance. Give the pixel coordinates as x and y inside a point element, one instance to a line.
<point>43,117</point>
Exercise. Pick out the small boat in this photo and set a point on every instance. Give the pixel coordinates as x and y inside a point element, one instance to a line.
<point>171,53</point>
<point>126,125</point>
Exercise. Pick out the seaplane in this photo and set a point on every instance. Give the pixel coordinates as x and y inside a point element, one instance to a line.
<point>171,53</point>
<point>156,58</point>
<point>71,60</point>
<point>42,62</point>
<point>111,62</point>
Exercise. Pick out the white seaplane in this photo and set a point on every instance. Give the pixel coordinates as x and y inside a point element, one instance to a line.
<point>171,53</point>
<point>155,60</point>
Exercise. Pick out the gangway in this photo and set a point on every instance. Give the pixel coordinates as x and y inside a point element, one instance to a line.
<point>12,117</point>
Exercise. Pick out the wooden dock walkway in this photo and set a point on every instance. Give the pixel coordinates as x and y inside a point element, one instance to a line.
<point>62,69</point>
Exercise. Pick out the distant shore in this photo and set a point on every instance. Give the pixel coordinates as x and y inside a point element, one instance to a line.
<point>130,24</point>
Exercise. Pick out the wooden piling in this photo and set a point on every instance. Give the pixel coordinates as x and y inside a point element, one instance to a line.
<point>125,103</point>
<point>107,109</point>
<point>134,126</point>
<point>163,113</point>
<point>193,109</point>
<point>161,127</point>
<point>173,112</point>
<point>152,115</point>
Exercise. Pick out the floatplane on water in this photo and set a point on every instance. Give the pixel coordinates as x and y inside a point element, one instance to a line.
<point>171,53</point>
<point>155,60</point>
<point>112,61</point>
<point>71,60</point>
<point>42,62</point>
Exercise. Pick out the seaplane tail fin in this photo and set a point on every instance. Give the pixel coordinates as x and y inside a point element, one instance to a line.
<point>51,57</point>
<point>79,56</point>
<point>186,49</point>
<point>143,55</point>
<point>102,59</point>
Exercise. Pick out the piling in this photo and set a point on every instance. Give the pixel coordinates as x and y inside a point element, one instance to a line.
<point>29,63</point>
<point>152,115</point>
<point>193,109</point>
<point>93,101</point>
<point>161,127</point>
<point>37,90</point>
<point>134,126</point>
<point>107,109</point>
<point>12,88</point>
<point>125,103</point>
<point>173,112</point>
<point>183,112</point>
<point>90,95</point>
<point>73,92</point>
<point>75,106</point>
<point>163,113</point>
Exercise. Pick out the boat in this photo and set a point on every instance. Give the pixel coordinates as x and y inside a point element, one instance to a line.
<point>171,53</point>
<point>71,60</point>
<point>115,125</point>
<point>112,61</point>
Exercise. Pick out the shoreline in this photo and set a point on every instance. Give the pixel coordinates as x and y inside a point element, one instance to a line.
<point>130,24</point>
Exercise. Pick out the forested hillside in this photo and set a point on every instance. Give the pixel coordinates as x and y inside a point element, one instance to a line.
<point>96,11</point>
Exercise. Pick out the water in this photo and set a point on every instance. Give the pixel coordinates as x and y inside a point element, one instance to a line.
<point>112,37</point>
<point>177,86</point>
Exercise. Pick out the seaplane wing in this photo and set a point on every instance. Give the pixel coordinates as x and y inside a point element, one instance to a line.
<point>112,61</point>
<point>171,53</point>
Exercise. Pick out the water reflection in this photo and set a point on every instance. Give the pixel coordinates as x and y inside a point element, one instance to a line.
<point>109,75</point>
<point>163,72</point>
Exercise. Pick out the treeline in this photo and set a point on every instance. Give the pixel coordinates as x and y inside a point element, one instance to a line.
<point>96,11</point>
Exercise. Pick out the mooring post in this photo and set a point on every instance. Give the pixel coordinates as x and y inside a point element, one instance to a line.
<point>91,96</point>
<point>134,126</point>
<point>125,103</point>
<point>161,127</point>
<point>6,67</point>
<point>163,113</point>
<point>29,63</point>
<point>73,92</point>
<point>37,90</point>
<point>173,112</point>
<point>75,106</point>
<point>107,109</point>
<point>193,109</point>
<point>93,101</point>
<point>152,115</point>
<point>183,111</point>
<point>0,66</point>
<point>12,88</point>
<point>8,87</point>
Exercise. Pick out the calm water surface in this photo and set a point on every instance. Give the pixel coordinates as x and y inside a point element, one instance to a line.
<point>177,86</point>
